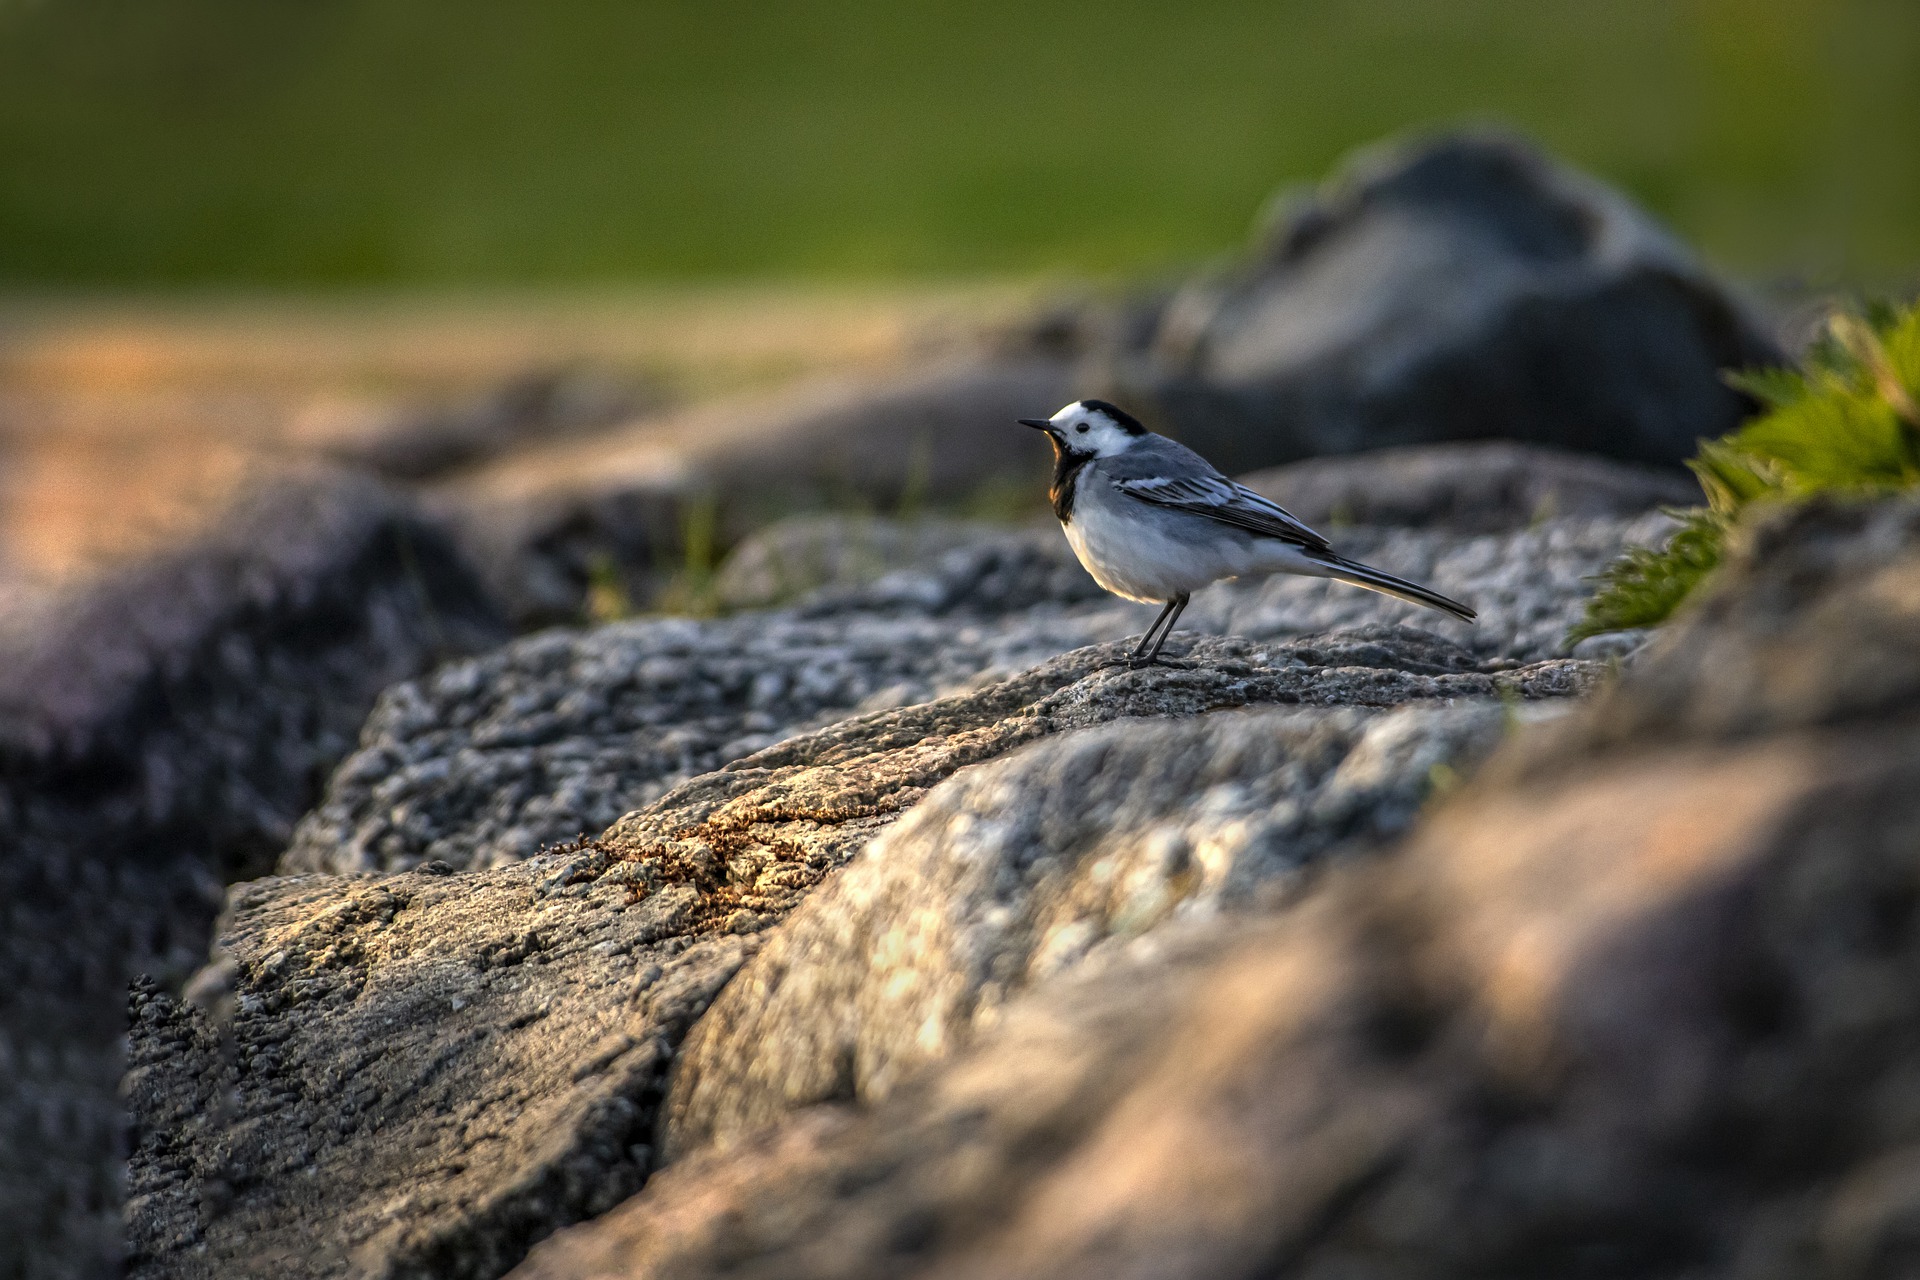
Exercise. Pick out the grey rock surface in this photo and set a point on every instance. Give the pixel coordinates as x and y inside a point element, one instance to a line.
<point>766,828</point>
<point>420,1041</point>
<point>1487,487</point>
<point>557,735</point>
<point>162,725</point>
<point>1459,288</point>
<point>1018,871</point>
<point>1637,1000</point>
<point>1530,585</point>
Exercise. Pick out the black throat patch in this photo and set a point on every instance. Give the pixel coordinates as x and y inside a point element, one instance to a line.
<point>1066,477</point>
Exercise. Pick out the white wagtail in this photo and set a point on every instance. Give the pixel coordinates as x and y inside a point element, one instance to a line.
<point>1153,521</point>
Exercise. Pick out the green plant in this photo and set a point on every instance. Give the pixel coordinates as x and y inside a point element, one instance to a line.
<point>1847,424</point>
<point>689,591</point>
<point>608,599</point>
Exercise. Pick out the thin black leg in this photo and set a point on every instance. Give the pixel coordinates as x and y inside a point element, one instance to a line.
<point>1147,639</point>
<point>1175,607</point>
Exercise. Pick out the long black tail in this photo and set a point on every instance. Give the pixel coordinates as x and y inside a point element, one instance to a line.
<point>1360,575</point>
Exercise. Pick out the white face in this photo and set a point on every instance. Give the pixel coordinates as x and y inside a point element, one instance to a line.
<point>1084,430</point>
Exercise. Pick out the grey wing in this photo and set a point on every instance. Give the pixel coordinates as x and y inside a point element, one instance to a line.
<point>1218,498</point>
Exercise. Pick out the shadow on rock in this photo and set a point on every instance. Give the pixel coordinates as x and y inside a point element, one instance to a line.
<point>161,728</point>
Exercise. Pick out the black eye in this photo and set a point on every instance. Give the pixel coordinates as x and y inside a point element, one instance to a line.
<point>1082,428</point>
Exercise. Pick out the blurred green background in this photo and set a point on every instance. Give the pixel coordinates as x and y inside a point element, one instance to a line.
<point>475,142</point>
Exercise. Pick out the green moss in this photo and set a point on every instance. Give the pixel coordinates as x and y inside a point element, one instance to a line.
<point>1845,424</point>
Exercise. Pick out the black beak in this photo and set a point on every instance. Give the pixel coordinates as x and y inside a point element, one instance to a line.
<point>1040,423</point>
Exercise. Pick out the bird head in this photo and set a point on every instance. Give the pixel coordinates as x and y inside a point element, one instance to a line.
<point>1090,429</point>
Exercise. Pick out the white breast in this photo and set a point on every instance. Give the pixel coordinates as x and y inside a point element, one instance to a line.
<point>1151,555</point>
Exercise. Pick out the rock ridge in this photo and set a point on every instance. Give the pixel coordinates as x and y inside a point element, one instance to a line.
<point>424,1071</point>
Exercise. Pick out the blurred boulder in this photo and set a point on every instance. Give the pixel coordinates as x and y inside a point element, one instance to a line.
<point>543,522</point>
<point>162,725</point>
<point>1472,488</point>
<point>189,701</point>
<point>1461,288</point>
<point>409,440</point>
<point>421,1074</point>
<point>1638,1000</point>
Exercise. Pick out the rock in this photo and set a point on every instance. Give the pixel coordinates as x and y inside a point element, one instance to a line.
<point>1463,288</point>
<point>1460,288</point>
<point>417,1075</point>
<point>1530,586</point>
<point>1015,872</point>
<point>768,826</point>
<point>556,735</point>
<point>951,1156</point>
<point>414,441</point>
<point>1615,646</point>
<point>1470,488</point>
<point>161,727</point>
<point>1492,487</point>
<point>420,1041</point>
<point>804,555</point>
<point>1636,1000</point>
<point>544,522</point>
<point>1812,623</point>
<point>188,701</point>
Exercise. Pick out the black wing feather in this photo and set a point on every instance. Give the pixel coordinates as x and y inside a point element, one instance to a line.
<point>1218,498</point>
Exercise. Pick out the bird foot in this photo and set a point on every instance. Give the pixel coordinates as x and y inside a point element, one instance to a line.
<point>1172,664</point>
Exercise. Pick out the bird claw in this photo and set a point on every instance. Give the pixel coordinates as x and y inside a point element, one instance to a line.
<point>1172,664</point>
